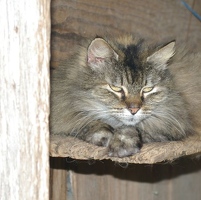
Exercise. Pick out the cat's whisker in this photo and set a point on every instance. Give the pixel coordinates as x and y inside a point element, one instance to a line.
<point>168,117</point>
<point>85,118</point>
<point>80,126</point>
<point>128,88</point>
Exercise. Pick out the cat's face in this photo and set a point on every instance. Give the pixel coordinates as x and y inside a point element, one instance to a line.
<point>127,88</point>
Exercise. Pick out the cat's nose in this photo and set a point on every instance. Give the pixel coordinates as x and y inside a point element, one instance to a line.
<point>134,110</point>
<point>133,105</point>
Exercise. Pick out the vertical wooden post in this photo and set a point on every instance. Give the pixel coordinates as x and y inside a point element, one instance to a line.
<point>60,185</point>
<point>24,99</point>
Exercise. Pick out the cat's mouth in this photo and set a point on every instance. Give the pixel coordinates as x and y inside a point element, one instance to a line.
<point>129,119</point>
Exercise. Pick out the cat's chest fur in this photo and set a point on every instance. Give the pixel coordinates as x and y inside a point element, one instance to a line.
<point>119,94</point>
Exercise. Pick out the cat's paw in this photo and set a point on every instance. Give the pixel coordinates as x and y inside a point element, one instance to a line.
<point>101,137</point>
<point>124,144</point>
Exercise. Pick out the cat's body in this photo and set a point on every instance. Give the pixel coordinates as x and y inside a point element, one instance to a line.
<point>122,94</point>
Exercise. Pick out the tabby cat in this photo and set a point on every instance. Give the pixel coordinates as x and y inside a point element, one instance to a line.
<point>123,93</point>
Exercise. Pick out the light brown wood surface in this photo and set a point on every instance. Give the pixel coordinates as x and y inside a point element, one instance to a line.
<point>24,99</point>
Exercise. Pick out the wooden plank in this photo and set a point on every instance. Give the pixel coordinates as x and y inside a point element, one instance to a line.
<point>107,181</point>
<point>24,99</point>
<point>156,20</point>
<point>58,179</point>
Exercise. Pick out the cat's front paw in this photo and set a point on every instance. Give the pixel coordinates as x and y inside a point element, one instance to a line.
<point>125,142</point>
<point>101,137</point>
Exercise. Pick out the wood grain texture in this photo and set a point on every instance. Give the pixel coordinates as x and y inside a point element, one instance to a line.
<point>107,181</point>
<point>24,99</point>
<point>58,180</point>
<point>154,20</point>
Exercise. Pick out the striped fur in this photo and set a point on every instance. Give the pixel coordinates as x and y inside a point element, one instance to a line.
<point>123,93</point>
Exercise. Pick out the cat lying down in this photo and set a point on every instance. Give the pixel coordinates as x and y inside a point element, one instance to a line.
<point>123,93</point>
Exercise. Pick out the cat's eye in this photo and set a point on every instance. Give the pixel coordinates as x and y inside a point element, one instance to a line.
<point>147,89</point>
<point>115,88</point>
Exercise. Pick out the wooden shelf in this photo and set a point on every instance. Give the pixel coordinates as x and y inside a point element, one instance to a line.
<point>62,146</point>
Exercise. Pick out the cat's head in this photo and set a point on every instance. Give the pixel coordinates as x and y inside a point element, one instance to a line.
<point>128,82</point>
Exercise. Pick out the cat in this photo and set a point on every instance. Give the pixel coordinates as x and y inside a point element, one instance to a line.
<point>123,93</point>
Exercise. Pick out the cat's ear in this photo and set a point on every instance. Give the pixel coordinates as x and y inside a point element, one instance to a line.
<point>98,52</point>
<point>162,56</point>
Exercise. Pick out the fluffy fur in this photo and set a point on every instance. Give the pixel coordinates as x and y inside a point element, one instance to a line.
<point>123,93</point>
